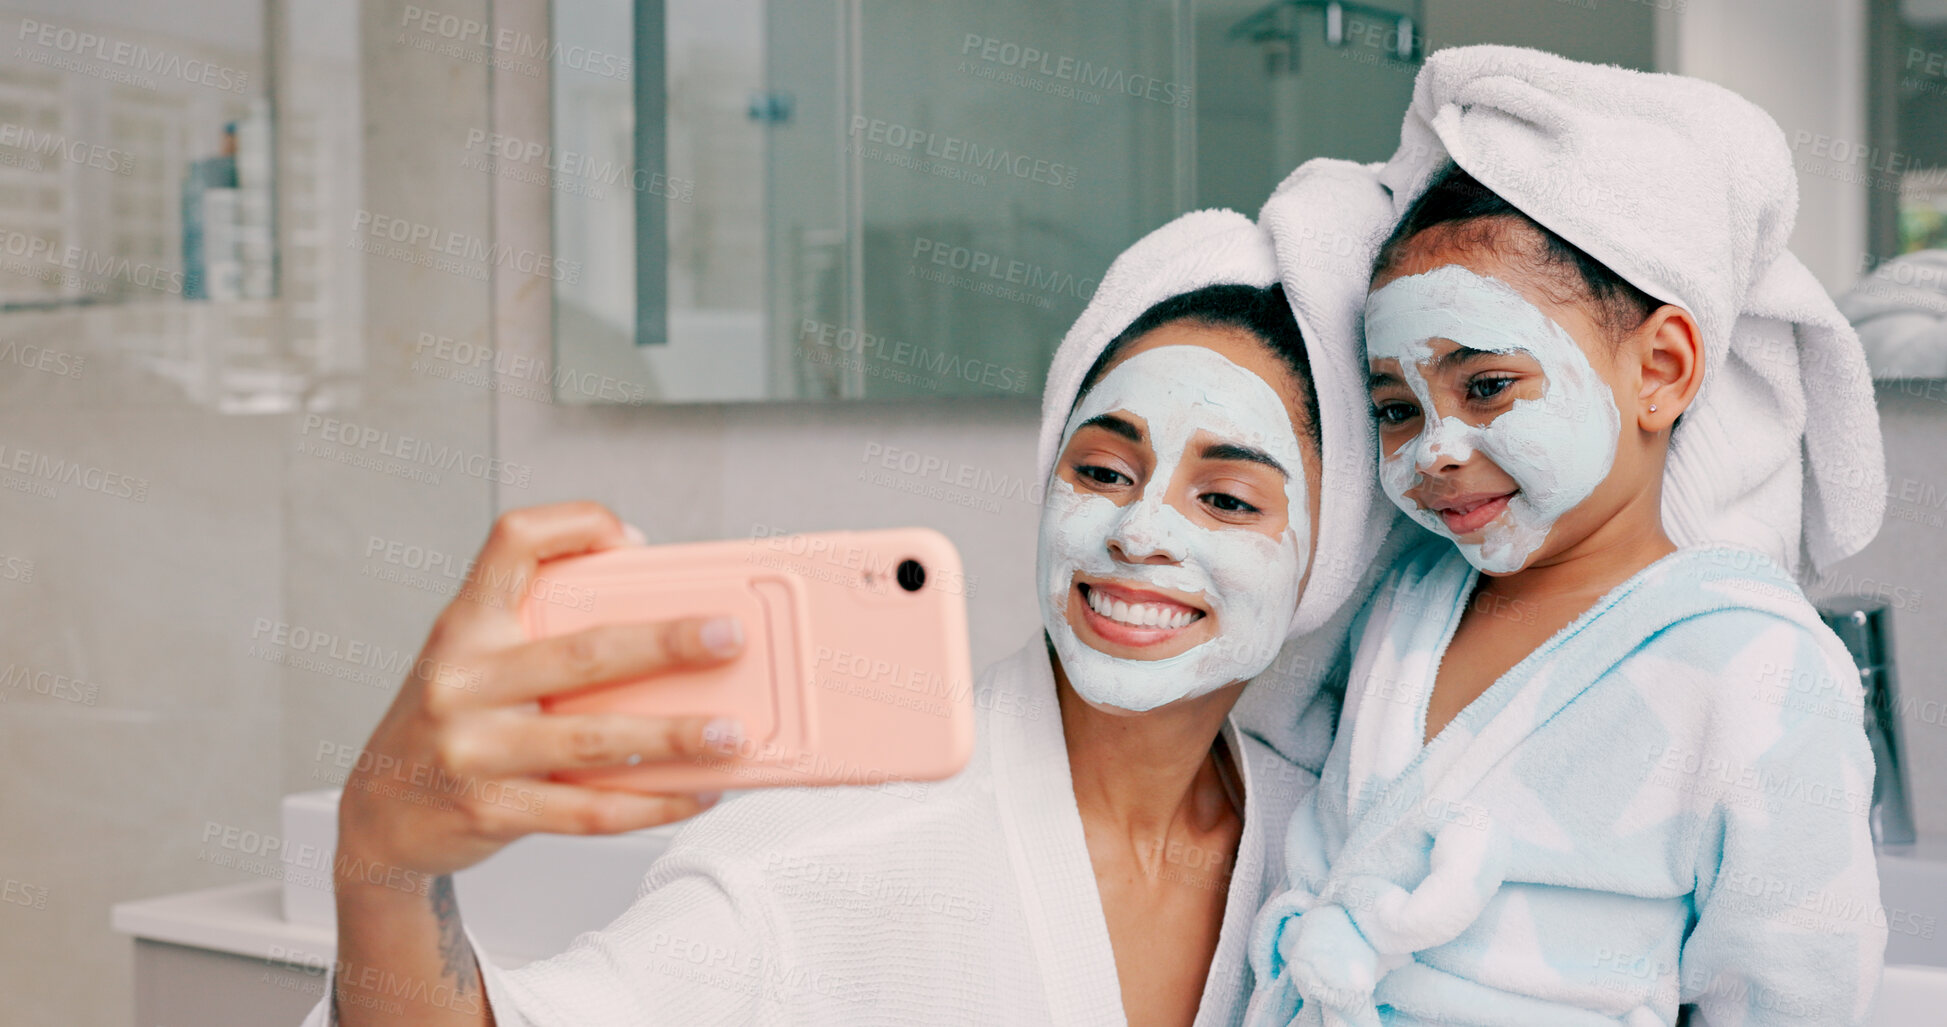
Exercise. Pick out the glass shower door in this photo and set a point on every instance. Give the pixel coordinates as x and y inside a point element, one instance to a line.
<point>1282,83</point>
<point>952,180</point>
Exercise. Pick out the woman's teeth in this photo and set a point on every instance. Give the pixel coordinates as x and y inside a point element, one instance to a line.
<point>1140,615</point>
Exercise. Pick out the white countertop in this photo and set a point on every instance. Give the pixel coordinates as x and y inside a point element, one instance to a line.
<point>244,920</point>
<point>529,900</point>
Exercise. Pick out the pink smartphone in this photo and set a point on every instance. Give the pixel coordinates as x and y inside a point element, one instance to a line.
<point>855,667</point>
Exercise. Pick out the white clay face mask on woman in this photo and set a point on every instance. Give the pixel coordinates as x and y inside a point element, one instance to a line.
<point>1557,446</point>
<point>1243,578</point>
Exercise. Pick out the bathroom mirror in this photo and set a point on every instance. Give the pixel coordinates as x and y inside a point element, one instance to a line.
<point>887,200</point>
<point>1900,304</point>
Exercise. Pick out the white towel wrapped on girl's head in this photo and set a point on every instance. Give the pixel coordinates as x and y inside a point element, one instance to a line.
<point>1687,191</point>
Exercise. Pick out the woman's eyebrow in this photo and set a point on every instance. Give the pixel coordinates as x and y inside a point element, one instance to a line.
<point>1115,424</point>
<point>1461,355</point>
<point>1234,451</point>
<point>1382,379</point>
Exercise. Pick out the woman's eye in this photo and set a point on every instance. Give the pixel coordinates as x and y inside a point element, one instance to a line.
<point>1228,503</point>
<point>1103,475</point>
<point>1392,412</point>
<point>1486,388</point>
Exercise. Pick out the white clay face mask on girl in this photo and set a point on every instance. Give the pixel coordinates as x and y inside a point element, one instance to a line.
<point>1246,580</point>
<point>1557,448</point>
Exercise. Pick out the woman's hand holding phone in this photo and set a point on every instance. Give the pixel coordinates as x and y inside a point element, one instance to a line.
<point>458,766</point>
<point>863,676</point>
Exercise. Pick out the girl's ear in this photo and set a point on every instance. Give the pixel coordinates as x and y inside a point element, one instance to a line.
<point>1670,348</point>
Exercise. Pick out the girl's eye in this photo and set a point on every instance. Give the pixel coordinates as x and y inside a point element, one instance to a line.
<point>1103,475</point>
<point>1228,503</point>
<point>1393,412</point>
<point>1486,387</point>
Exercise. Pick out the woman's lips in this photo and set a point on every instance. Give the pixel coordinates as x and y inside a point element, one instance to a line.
<point>1469,514</point>
<point>1134,617</point>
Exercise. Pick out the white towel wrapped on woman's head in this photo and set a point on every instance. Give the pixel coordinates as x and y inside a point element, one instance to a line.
<point>1687,191</point>
<point>1326,221</point>
<point>1223,247</point>
<point>1198,249</point>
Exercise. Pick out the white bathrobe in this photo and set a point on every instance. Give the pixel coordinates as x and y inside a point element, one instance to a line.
<point>968,901</point>
<point>1665,804</point>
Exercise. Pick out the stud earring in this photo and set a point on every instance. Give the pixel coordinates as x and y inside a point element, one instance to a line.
<point>1652,408</point>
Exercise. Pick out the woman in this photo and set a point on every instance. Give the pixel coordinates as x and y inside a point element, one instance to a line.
<point>1101,857</point>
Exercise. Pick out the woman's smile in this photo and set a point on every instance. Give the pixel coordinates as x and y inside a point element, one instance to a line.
<point>1136,618</point>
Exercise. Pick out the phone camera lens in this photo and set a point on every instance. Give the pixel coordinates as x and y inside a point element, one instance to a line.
<point>912,575</point>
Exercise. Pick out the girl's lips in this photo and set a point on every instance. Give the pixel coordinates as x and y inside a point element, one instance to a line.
<point>1475,514</point>
<point>1121,632</point>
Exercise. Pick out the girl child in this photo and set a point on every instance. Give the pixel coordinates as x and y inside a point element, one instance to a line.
<point>1572,782</point>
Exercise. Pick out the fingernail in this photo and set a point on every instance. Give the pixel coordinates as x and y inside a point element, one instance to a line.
<point>724,734</point>
<point>634,536</point>
<point>708,799</point>
<point>723,635</point>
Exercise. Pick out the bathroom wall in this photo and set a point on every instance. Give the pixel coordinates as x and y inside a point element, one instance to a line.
<point>389,491</point>
<point>130,715</point>
<point>182,641</point>
<point>1804,62</point>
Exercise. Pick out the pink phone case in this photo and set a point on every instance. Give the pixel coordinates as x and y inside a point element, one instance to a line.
<point>847,676</point>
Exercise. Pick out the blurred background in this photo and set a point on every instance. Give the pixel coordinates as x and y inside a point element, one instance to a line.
<point>297,295</point>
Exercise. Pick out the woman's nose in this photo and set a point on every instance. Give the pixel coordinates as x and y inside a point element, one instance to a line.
<point>1148,531</point>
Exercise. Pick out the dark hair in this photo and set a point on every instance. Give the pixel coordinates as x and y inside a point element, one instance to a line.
<point>1457,200</point>
<point>1262,312</point>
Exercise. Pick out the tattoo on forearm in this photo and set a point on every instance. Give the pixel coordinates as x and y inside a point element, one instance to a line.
<point>453,947</point>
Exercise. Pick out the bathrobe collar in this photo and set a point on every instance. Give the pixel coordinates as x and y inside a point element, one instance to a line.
<point>1051,865</point>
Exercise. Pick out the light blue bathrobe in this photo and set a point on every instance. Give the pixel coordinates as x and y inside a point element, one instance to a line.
<point>1664,805</point>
